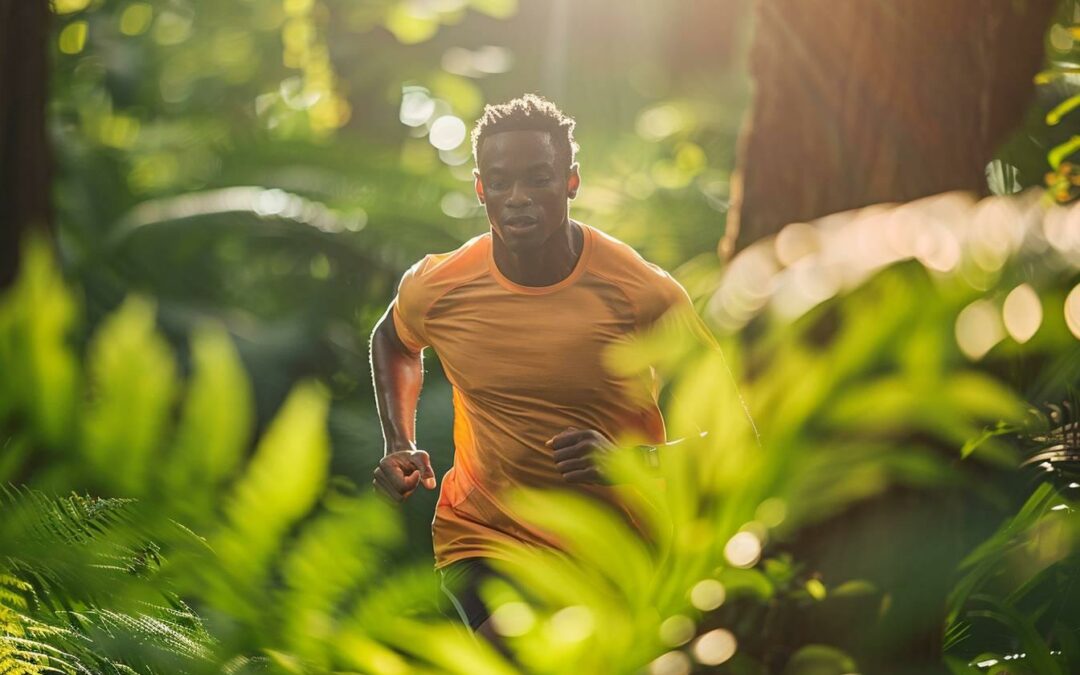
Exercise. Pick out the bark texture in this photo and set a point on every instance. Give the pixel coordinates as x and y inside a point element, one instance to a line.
<point>24,157</point>
<point>858,102</point>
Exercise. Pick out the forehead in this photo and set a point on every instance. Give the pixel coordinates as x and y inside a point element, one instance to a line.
<point>516,151</point>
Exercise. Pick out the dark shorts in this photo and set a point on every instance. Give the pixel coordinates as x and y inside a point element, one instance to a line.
<point>461,580</point>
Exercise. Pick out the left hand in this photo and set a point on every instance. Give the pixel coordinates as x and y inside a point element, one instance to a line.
<point>575,455</point>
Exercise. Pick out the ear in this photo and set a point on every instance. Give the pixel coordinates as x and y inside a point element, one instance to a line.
<point>478,184</point>
<point>573,182</point>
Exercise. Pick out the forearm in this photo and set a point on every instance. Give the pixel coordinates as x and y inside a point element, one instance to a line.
<point>398,376</point>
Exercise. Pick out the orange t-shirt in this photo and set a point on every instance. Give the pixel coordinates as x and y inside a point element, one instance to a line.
<point>525,363</point>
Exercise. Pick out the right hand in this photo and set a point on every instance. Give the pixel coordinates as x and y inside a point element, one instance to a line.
<point>399,473</point>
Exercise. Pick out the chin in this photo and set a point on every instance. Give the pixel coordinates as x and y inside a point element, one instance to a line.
<point>523,242</point>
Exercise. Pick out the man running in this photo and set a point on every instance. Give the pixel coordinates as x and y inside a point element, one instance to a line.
<point>520,317</point>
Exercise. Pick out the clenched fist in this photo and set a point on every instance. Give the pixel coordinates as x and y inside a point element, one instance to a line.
<point>400,472</point>
<point>575,454</point>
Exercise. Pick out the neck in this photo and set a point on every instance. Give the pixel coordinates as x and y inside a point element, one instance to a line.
<point>551,264</point>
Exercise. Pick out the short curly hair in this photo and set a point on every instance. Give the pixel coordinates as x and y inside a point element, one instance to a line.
<point>530,112</point>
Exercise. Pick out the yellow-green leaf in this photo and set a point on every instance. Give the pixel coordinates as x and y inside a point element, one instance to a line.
<point>217,416</point>
<point>132,374</point>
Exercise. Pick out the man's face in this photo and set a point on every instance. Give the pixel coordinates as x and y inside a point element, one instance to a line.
<point>524,182</point>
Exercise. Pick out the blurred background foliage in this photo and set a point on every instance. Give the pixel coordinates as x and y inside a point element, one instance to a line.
<point>186,408</point>
<point>270,164</point>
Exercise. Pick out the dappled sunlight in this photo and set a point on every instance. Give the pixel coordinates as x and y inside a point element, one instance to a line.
<point>1072,311</point>
<point>849,344</point>
<point>978,329</point>
<point>957,240</point>
<point>714,647</point>
<point>1022,312</point>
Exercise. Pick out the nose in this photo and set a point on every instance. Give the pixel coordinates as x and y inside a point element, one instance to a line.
<point>518,195</point>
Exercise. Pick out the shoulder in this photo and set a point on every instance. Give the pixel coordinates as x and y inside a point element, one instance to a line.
<point>467,259</point>
<point>650,288</point>
<point>437,273</point>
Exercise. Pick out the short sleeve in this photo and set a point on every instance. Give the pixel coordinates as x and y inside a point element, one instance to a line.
<point>668,303</point>
<point>408,309</point>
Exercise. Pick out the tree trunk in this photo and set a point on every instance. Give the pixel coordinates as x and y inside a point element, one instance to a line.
<point>865,101</point>
<point>858,102</point>
<point>25,161</point>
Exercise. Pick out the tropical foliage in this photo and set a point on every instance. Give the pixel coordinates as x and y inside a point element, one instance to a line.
<point>185,407</point>
<point>852,406</point>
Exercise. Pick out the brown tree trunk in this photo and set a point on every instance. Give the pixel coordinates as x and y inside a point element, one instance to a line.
<point>864,101</point>
<point>858,102</point>
<point>25,161</point>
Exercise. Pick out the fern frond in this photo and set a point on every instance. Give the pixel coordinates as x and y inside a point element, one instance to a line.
<point>73,519</point>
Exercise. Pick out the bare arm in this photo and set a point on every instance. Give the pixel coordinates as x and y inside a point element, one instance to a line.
<point>398,375</point>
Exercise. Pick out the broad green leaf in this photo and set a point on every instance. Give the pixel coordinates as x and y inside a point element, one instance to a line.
<point>590,531</point>
<point>132,375</point>
<point>337,553</point>
<point>41,376</point>
<point>280,485</point>
<point>216,422</point>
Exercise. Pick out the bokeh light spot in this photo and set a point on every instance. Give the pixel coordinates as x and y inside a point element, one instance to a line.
<point>743,550</point>
<point>458,205</point>
<point>73,38</point>
<point>1061,227</point>
<point>690,158</point>
<point>487,60</point>
<point>816,589</point>
<point>408,27</point>
<point>492,60</point>
<point>136,18</point>
<point>70,6</point>
<point>499,9</point>
<point>795,241</point>
<point>513,619</point>
<point>172,28</point>
<point>447,132</point>
<point>1060,38</point>
<point>1072,311</point>
<point>677,630</point>
<point>715,647</point>
<point>660,122</point>
<point>671,663</point>
<point>771,512</point>
<point>571,624</point>
<point>978,329</point>
<point>1022,313</point>
<point>298,7</point>
<point>320,267</point>
<point>118,131</point>
<point>707,594</point>
<point>416,107</point>
<point>271,202</point>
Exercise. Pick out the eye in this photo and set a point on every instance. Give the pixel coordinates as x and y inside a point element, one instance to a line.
<point>541,180</point>
<point>498,184</point>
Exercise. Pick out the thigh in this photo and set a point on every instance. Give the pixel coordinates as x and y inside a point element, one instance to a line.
<point>461,582</point>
